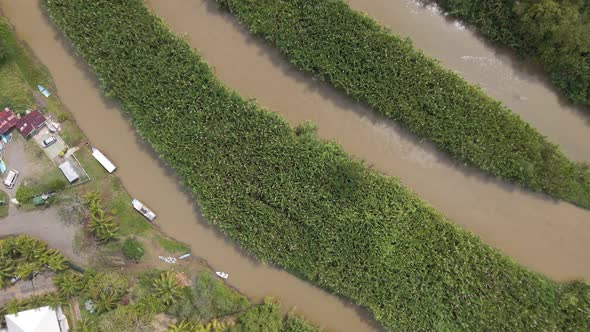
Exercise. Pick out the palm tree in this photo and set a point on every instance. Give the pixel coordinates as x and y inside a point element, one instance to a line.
<point>69,284</point>
<point>106,301</point>
<point>85,325</point>
<point>186,326</point>
<point>30,248</point>
<point>104,229</point>
<point>13,306</point>
<point>167,288</point>
<point>216,326</point>
<point>7,268</point>
<point>54,260</point>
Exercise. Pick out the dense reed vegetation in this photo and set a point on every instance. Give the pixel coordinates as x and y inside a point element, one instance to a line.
<point>292,199</point>
<point>555,33</point>
<point>366,61</point>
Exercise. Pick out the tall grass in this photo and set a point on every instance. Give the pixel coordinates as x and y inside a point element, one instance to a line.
<point>302,203</point>
<point>369,63</point>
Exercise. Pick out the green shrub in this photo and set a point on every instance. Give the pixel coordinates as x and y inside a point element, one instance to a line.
<point>126,318</point>
<point>370,64</point>
<point>4,53</point>
<point>106,290</point>
<point>294,323</point>
<point>206,299</point>
<point>261,318</point>
<point>133,249</point>
<point>25,193</point>
<point>55,185</point>
<point>303,203</point>
<point>62,117</point>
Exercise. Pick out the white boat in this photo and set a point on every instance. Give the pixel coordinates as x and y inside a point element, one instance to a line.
<point>104,161</point>
<point>44,91</point>
<point>222,274</point>
<point>184,256</point>
<point>137,205</point>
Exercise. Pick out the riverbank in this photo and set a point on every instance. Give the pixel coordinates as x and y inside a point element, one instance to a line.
<point>552,33</point>
<point>518,84</point>
<point>259,202</point>
<point>60,223</point>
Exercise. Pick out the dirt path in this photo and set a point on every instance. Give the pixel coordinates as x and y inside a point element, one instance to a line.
<point>45,225</point>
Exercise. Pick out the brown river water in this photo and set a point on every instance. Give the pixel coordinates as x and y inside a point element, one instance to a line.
<point>547,236</point>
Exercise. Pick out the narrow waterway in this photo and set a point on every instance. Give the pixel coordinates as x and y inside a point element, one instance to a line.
<point>519,85</point>
<point>547,236</point>
<point>147,179</point>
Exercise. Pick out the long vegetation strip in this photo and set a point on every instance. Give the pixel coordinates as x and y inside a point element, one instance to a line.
<point>355,54</point>
<point>553,32</point>
<point>294,200</point>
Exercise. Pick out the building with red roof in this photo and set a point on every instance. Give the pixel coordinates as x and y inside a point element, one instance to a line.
<point>7,120</point>
<point>29,123</point>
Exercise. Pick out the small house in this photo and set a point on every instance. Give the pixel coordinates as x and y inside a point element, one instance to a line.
<point>44,319</point>
<point>7,120</point>
<point>69,171</point>
<point>30,123</point>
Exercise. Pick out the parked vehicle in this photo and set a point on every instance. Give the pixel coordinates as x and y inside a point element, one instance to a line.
<point>48,141</point>
<point>11,178</point>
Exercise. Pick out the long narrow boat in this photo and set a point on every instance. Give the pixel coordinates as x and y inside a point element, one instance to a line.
<point>137,205</point>
<point>104,161</point>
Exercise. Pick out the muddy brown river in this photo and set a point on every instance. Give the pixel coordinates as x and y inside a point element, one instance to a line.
<point>547,236</point>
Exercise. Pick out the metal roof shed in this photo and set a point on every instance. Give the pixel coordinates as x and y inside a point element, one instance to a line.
<point>69,171</point>
<point>42,319</point>
<point>7,120</point>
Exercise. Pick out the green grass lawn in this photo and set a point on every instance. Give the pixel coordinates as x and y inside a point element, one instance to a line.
<point>171,245</point>
<point>4,207</point>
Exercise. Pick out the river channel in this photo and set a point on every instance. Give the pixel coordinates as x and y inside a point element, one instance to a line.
<point>547,236</point>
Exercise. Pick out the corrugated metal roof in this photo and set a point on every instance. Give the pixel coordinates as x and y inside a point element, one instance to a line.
<point>69,171</point>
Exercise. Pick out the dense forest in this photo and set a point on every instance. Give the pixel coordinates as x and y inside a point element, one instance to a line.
<point>556,33</point>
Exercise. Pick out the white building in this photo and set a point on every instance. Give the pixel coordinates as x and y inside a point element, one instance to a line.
<point>44,319</point>
<point>69,171</point>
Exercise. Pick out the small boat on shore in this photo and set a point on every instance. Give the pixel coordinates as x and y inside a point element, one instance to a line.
<point>104,161</point>
<point>137,205</point>
<point>222,275</point>
<point>43,90</point>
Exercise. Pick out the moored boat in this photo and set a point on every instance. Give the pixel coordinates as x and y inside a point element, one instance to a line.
<point>43,90</point>
<point>104,161</point>
<point>137,205</point>
<point>222,274</point>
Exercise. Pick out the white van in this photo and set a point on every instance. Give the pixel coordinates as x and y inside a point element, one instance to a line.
<point>11,178</point>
